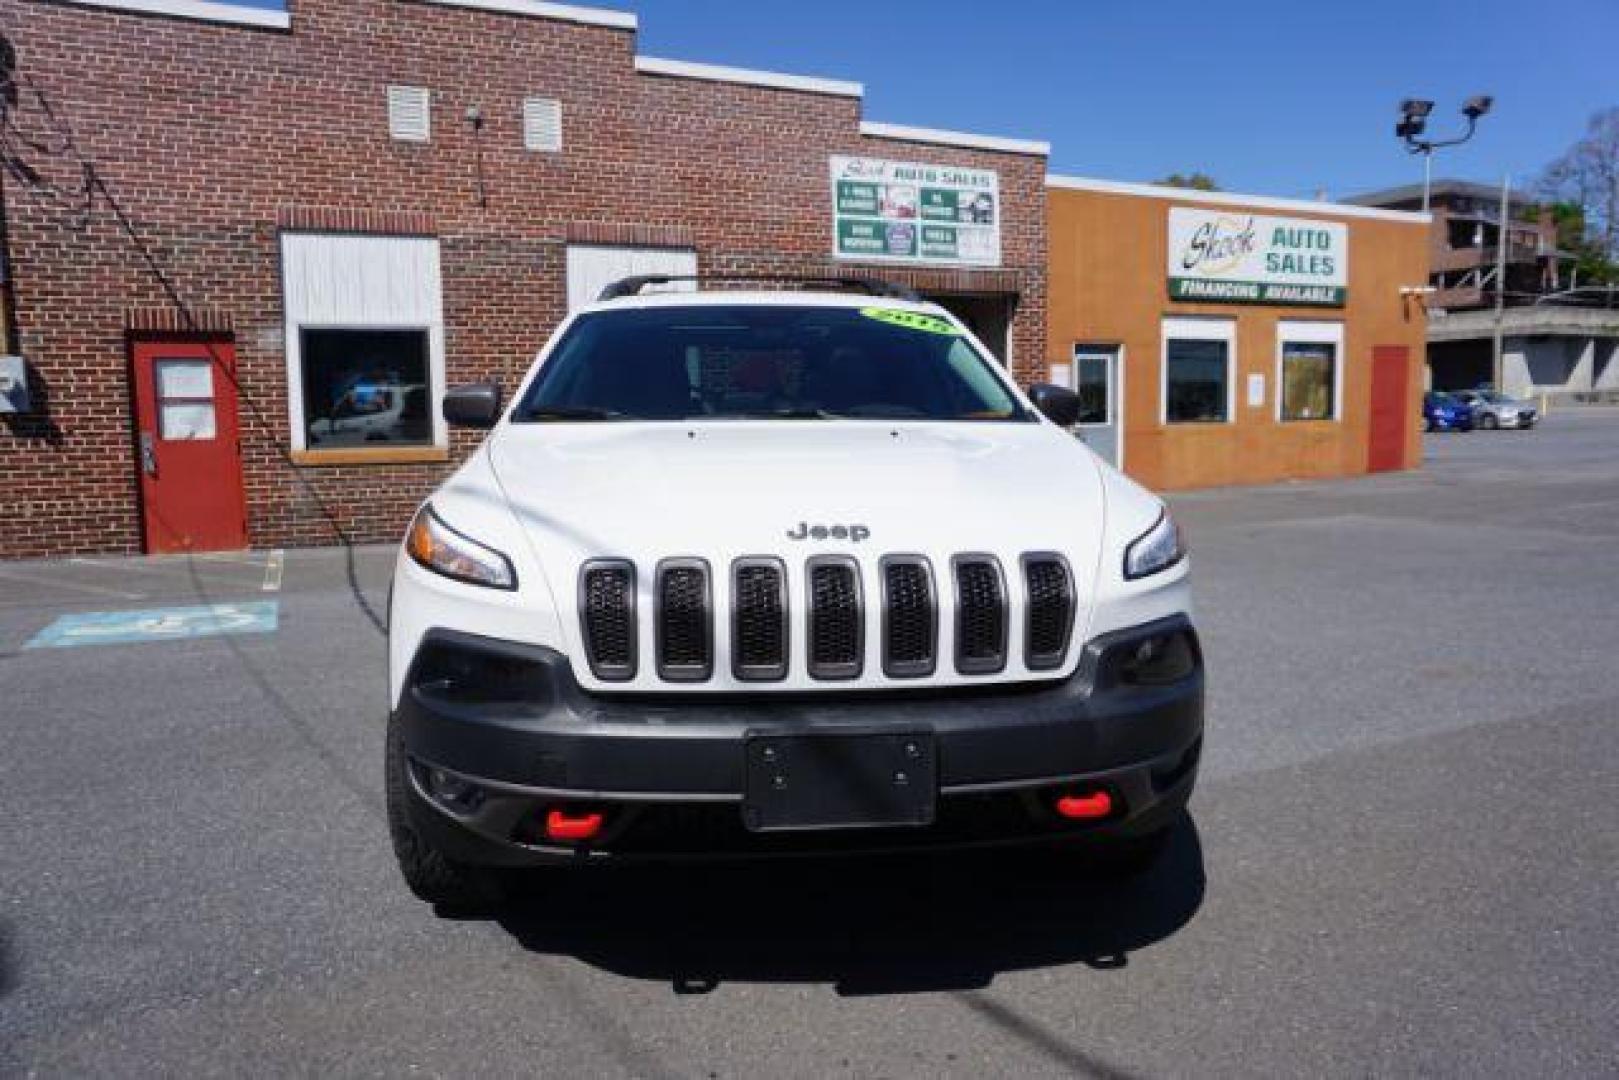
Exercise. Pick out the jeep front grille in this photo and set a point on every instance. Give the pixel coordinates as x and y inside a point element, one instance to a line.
<point>686,632</point>
<point>684,621</point>
<point>607,601</point>
<point>910,617</point>
<point>980,615</point>
<point>759,620</point>
<point>837,618</point>
<point>1050,617</point>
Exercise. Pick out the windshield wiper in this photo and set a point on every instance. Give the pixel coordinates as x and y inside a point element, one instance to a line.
<point>791,413</point>
<point>571,412</point>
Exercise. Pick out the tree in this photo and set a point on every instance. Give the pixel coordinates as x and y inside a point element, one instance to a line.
<point>1195,181</point>
<point>1591,266</point>
<point>1587,178</point>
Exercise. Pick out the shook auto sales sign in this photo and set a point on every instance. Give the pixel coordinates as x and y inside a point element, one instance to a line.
<point>905,212</point>
<point>1227,256</point>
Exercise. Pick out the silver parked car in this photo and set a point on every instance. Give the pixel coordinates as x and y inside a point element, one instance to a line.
<point>1492,409</point>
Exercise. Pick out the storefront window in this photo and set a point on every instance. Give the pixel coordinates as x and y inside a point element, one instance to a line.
<point>1197,377</point>
<point>1308,377</point>
<point>366,388</point>
<point>1307,373</point>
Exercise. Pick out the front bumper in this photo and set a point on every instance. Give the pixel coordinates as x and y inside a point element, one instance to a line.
<point>668,771</point>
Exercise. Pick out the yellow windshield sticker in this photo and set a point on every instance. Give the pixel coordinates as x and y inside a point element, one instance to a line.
<point>911,320</point>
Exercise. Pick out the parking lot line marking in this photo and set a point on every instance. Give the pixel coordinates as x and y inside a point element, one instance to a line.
<point>157,624</point>
<point>273,567</point>
<point>252,558</point>
<point>33,578</point>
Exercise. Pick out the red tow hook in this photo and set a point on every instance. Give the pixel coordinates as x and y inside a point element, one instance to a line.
<point>560,825</point>
<point>1089,807</point>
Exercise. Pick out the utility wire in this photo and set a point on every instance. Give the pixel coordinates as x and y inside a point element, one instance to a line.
<point>94,185</point>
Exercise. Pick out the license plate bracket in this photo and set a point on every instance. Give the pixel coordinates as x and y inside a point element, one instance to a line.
<point>839,781</point>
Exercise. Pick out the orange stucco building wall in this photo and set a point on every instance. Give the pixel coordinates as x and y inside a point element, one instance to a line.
<point>1108,284</point>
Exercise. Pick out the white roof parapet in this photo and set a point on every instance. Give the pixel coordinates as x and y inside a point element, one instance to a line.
<point>200,10</point>
<point>955,138</point>
<point>684,69</point>
<point>1231,198</point>
<point>542,9</point>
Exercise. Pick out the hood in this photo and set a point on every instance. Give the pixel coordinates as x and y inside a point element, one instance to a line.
<point>724,490</point>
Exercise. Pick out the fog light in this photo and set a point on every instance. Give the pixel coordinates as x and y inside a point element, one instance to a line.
<point>454,792</point>
<point>1160,659</point>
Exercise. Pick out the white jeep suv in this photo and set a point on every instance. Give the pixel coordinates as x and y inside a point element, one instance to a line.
<point>753,573</point>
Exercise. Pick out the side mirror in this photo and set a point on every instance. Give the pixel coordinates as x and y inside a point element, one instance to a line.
<point>1059,404</point>
<point>473,406</point>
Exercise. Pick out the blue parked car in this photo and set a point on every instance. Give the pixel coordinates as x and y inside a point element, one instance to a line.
<point>1446,412</point>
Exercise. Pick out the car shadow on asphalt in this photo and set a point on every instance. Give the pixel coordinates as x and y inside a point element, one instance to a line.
<point>900,924</point>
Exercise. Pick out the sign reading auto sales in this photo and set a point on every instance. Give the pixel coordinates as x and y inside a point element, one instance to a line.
<point>1227,256</point>
<point>894,211</point>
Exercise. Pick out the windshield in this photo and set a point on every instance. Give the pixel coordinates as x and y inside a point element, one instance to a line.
<point>746,361</point>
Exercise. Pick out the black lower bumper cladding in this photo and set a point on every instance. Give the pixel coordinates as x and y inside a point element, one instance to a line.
<point>508,730</point>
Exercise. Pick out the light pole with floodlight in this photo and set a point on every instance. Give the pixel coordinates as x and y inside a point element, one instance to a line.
<point>1414,121</point>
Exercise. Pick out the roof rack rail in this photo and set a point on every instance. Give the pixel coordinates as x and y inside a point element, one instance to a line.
<point>633,286</point>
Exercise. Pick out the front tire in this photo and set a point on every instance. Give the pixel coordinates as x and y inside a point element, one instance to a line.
<point>1489,423</point>
<point>453,887</point>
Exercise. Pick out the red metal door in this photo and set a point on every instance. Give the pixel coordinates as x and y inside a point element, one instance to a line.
<point>1393,417</point>
<point>189,451</point>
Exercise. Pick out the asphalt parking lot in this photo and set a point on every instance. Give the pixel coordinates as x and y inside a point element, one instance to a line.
<point>1404,858</point>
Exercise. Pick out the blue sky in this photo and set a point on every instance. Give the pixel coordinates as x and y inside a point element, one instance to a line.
<point>1271,98</point>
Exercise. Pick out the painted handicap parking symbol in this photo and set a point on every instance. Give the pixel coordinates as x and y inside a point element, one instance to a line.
<point>157,624</point>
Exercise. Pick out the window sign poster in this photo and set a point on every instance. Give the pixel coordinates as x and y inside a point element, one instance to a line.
<point>891,211</point>
<point>1228,256</point>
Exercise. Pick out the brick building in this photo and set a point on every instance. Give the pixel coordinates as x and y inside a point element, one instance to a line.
<point>1464,240</point>
<point>348,206</point>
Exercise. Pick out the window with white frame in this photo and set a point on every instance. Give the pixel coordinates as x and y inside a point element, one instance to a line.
<point>1309,370</point>
<point>365,341</point>
<point>1200,357</point>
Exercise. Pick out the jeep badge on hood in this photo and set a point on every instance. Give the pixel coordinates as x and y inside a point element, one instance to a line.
<point>806,531</point>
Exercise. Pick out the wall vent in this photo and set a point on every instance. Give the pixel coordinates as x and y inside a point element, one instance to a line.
<point>410,113</point>
<point>542,125</point>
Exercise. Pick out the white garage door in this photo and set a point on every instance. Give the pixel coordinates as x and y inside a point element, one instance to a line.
<point>592,268</point>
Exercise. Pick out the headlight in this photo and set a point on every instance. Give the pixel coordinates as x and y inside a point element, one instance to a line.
<point>442,550</point>
<point>1155,550</point>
